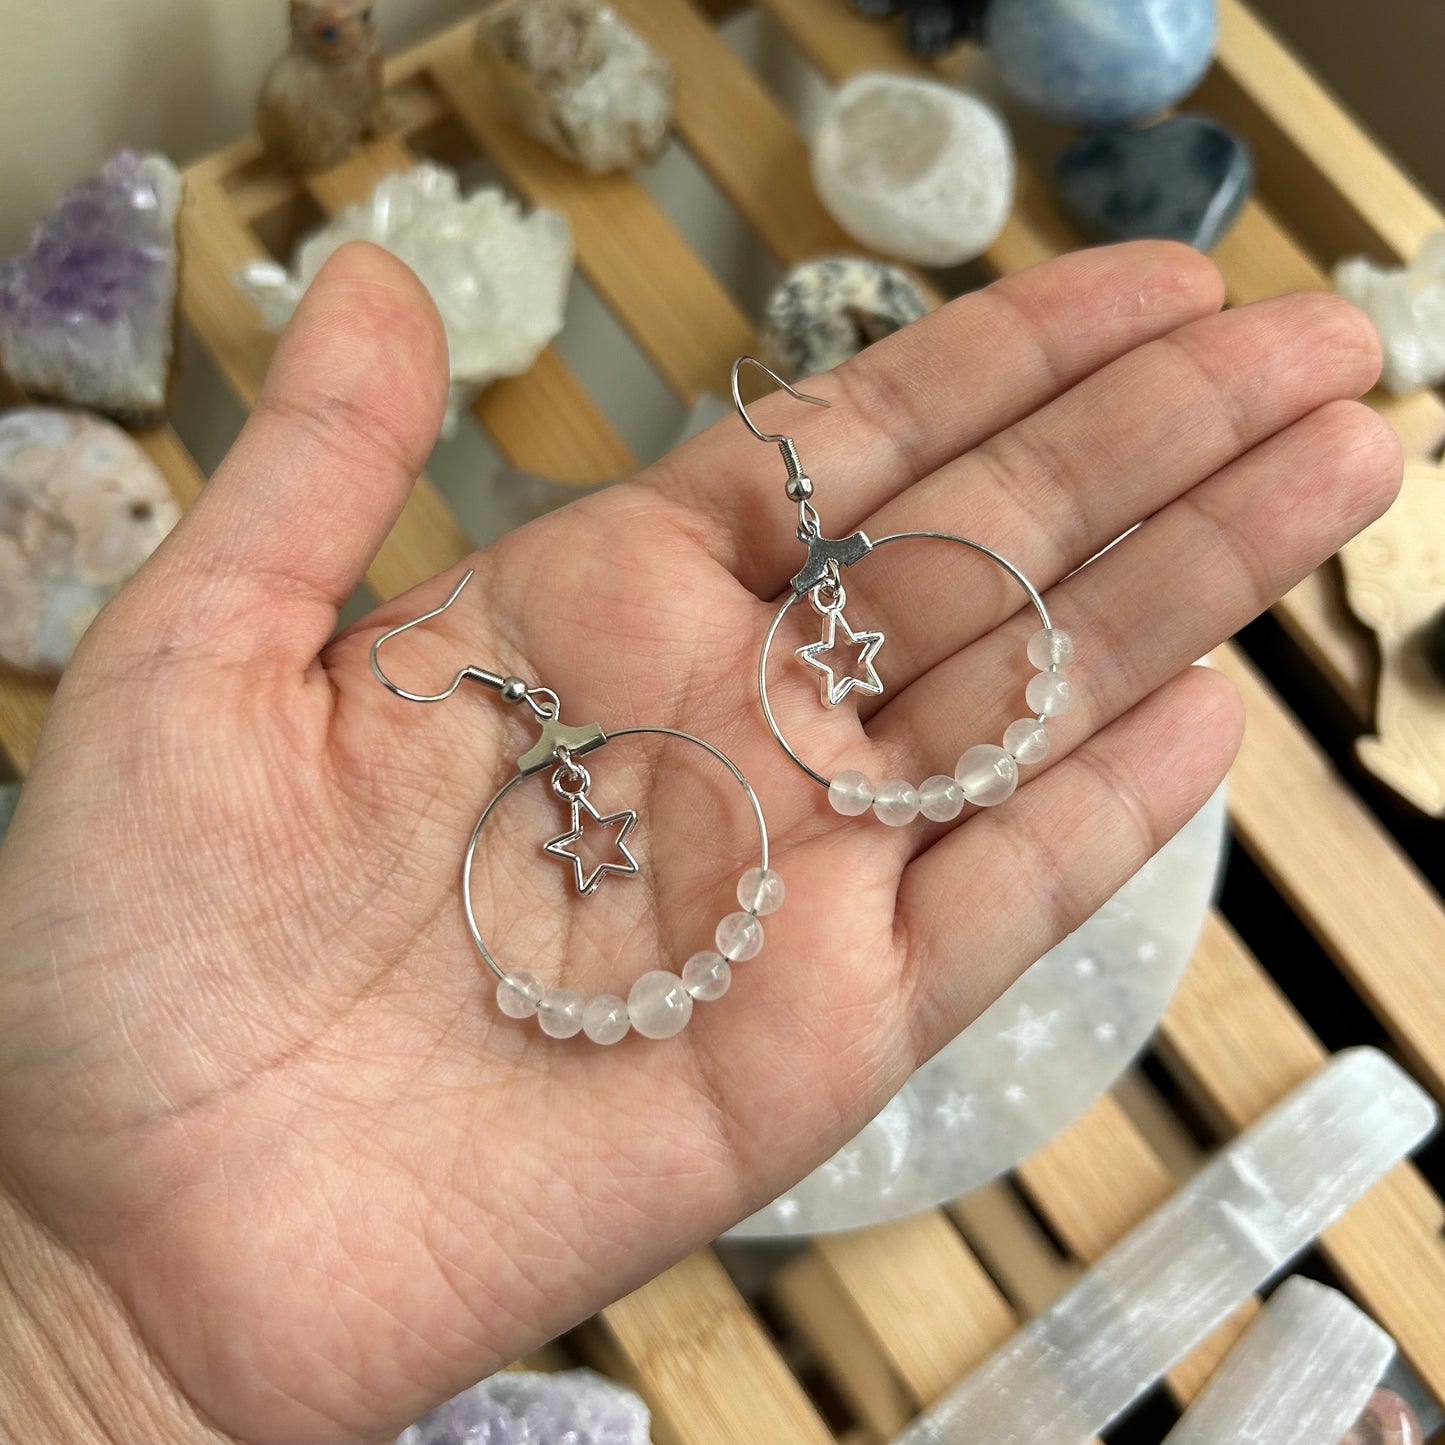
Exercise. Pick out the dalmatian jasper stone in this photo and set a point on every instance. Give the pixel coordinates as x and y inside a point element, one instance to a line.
<point>824,311</point>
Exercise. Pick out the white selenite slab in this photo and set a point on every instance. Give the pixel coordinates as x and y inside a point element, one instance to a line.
<point>1300,1375</point>
<point>1262,1199</point>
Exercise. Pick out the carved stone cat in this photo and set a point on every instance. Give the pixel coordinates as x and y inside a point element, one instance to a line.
<point>325,93</point>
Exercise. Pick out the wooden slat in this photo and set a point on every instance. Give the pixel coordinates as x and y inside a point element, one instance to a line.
<point>699,1356</point>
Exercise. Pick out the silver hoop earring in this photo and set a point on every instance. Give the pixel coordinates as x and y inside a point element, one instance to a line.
<point>659,1003</point>
<point>845,659</point>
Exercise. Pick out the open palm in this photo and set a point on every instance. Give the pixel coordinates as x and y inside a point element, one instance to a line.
<point>254,1085</point>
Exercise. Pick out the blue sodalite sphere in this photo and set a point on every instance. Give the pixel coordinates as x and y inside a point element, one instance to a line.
<point>1100,62</point>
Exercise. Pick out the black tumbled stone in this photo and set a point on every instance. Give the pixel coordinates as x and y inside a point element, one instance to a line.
<point>1183,179</point>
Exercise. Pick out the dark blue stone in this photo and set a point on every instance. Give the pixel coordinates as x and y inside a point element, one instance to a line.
<point>1183,179</point>
<point>932,26</point>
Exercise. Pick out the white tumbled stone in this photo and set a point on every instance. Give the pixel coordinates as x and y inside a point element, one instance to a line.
<point>1050,647</point>
<point>707,976</point>
<point>739,937</point>
<point>560,1013</point>
<point>761,891</point>
<point>914,168</point>
<point>659,1005</point>
<point>1407,305</point>
<point>519,994</point>
<point>896,803</point>
<point>1027,740</point>
<point>987,775</point>
<point>941,798</point>
<point>1049,693</point>
<point>604,1019</point>
<point>851,793</point>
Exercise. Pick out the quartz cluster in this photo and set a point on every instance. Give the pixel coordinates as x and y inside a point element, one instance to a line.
<point>87,314</point>
<point>499,278</point>
<point>1407,305</point>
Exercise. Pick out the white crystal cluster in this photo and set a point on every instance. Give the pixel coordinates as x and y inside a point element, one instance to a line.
<point>914,168</point>
<point>498,277</point>
<point>1407,305</point>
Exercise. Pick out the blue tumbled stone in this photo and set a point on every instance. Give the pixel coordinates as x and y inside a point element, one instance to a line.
<point>1184,179</point>
<point>1100,62</point>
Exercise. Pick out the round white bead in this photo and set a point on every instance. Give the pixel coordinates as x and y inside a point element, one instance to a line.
<point>761,891</point>
<point>1027,739</point>
<point>851,793</point>
<point>658,1005</point>
<point>896,802</point>
<point>739,937</point>
<point>560,1013</point>
<point>519,994</point>
<point>604,1019</point>
<point>1049,693</point>
<point>1051,647</point>
<point>706,976</point>
<point>987,775</point>
<point>941,798</point>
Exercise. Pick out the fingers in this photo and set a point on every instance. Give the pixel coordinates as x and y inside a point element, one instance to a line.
<point>1057,850</point>
<point>1063,483</point>
<point>1169,592</point>
<point>919,398</point>
<point>297,510</point>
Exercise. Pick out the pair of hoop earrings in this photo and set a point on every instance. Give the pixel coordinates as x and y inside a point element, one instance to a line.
<point>844,658</point>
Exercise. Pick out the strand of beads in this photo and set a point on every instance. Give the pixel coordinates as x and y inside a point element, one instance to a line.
<point>659,1004</point>
<point>986,774</point>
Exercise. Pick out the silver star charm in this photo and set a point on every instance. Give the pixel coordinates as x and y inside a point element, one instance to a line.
<point>835,687</point>
<point>561,846</point>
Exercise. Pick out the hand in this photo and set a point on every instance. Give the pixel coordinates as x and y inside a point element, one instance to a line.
<point>252,1075</point>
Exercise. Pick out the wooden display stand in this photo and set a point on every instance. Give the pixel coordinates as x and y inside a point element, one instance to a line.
<point>854,1333</point>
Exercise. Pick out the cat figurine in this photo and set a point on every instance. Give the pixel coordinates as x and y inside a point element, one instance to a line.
<point>324,95</point>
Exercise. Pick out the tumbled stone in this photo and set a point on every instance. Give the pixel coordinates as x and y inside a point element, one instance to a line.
<point>1387,1420</point>
<point>499,278</point>
<point>572,1407</point>
<point>914,169</point>
<point>932,26</point>
<point>1184,179</point>
<point>87,314</point>
<point>324,94</point>
<point>1407,305</point>
<point>81,507</point>
<point>581,80</point>
<point>1100,62</point>
<point>827,310</point>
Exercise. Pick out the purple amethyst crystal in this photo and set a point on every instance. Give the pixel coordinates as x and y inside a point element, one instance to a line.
<point>87,314</point>
<point>574,1407</point>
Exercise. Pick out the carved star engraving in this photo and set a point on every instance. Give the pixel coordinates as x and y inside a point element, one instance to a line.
<point>586,818</point>
<point>838,682</point>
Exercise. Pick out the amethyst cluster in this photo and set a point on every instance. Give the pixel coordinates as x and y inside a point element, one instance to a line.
<point>87,314</point>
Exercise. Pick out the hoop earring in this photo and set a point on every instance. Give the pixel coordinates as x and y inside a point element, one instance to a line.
<point>659,1004</point>
<point>986,774</point>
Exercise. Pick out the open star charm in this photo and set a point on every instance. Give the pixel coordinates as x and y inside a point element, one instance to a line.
<point>857,670</point>
<point>586,818</point>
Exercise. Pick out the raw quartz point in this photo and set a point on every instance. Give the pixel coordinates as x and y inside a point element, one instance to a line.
<point>1407,305</point>
<point>1162,1289</point>
<point>581,80</point>
<point>499,278</point>
<point>88,313</point>
<point>1387,1420</point>
<point>825,311</point>
<point>914,169</point>
<point>571,1407</point>
<point>81,507</point>
<point>1300,1375</point>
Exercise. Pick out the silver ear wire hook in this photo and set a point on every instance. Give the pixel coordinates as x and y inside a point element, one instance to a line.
<point>799,485</point>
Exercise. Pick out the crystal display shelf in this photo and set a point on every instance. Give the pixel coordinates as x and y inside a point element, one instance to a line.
<point>849,1337</point>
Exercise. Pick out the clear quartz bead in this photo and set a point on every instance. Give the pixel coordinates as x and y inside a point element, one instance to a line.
<point>519,994</point>
<point>941,798</point>
<point>1051,647</point>
<point>1049,693</point>
<point>987,775</point>
<point>739,937</point>
<point>560,1013</point>
<point>706,976</point>
<point>851,793</point>
<point>659,1005</point>
<point>604,1019</point>
<point>761,891</point>
<point>1027,739</point>
<point>896,802</point>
